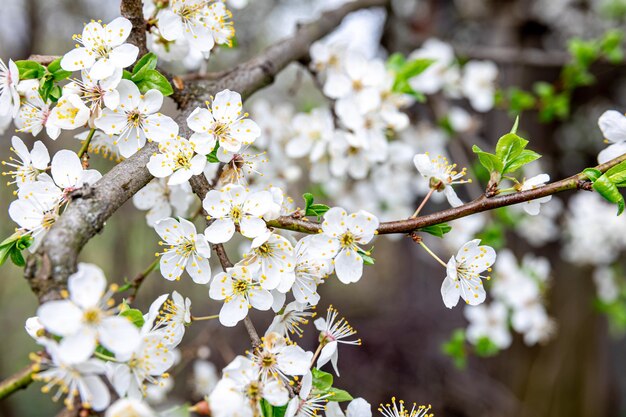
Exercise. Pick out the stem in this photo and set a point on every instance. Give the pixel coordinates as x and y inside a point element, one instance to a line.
<point>140,278</point>
<point>104,357</point>
<point>431,253</point>
<point>316,354</point>
<point>194,318</point>
<point>16,382</point>
<point>83,149</point>
<point>421,206</point>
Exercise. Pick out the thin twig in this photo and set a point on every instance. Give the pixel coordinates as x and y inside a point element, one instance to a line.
<point>578,181</point>
<point>140,278</point>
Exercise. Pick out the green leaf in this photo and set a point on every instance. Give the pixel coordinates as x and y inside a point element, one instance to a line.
<point>395,62</point>
<point>527,156</point>
<point>30,69</point>
<point>212,157</point>
<point>455,348</point>
<point>154,80</point>
<point>135,316</point>
<point>279,411</point>
<point>490,161</point>
<point>312,209</point>
<point>127,75</point>
<point>584,52</point>
<point>58,73</point>
<point>509,147</point>
<point>617,174</point>
<point>414,67</point>
<point>4,253</point>
<point>12,247</point>
<point>45,88</point>
<point>515,124</point>
<point>322,381</point>
<point>485,347</point>
<point>592,173</point>
<point>609,191</point>
<point>16,257</point>
<point>104,351</point>
<point>437,229</point>
<point>367,259</point>
<point>55,93</point>
<point>339,395</point>
<point>146,63</point>
<point>269,410</point>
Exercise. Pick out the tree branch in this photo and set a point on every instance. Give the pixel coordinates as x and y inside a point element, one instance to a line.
<point>92,206</point>
<point>578,181</point>
<point>133,11</point>
<point>16,382</point>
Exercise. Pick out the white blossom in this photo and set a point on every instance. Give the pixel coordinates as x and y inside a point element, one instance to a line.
<point>29,165</point>
<point>176,160</point>
<point>187,251</point>
<point>240,293</point>
<point>463,277</point>
<point>103,51</point>
<point>223,123</point>
<point>333,330</point>
<point>340,239</point>
<point>490,322</point>
<point>137,119</point>
<point>234,206</point>
<point>85,318</point>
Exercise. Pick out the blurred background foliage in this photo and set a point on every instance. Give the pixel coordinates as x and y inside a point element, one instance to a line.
<point>396,307</point>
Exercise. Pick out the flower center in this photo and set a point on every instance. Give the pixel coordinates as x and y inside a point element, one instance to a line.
<point>264,250</point>
<point>253,391</point>
<point>92,316</point>
<point>182,161</point>
<point>347,240</point>
<point>236,214</point>
<point>48,220</point>
<point>240,287</point>
<point>135,118</point>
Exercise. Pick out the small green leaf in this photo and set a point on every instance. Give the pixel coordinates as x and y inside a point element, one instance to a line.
<point>339,395</point>
<point>154,80</point>
<point>455,348</point>
<point>4,253</point>
<point>212,157</point>
<point>367,259</point>
<point>322,381</point>
<point>146,63</point>
<point>609,191</point>
<point>617,174</point>
<point>58,73</point>
<point>16,257</point>
<point>127,75</point>
<point>527,156</point>
<point>514,128</point>
<point>509,147</point>
<point>30,69</point>
<point>485,347</point>
<point>312,209</point>
<point>437,229</point>
<point>134,315</point>
<point>55,93</point>
<point>279,411</point>
<point>490,161</point>
<point>592,173</point>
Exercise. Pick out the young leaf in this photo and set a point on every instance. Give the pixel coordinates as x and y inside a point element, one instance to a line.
<point>437,229</point>
<point>592,173</point>
<point>154,80</point>
<point>339,395</point>
<point>146,63</point>
<point>490,161</point>
<point>312,209</point>
<point>134,315</point>
<point>17,258</point>
<point>509,147</point>
<point>617,174</point>
<point>322,381</point>
<point>514,128</point>
<point>212,157</point>
<point>609,191</point>
<point>30,69</point>
<point>367,259</point>
<point>485,347</point>
<point>58,73</point>
<point>455,348</point>
<point>527,156</point>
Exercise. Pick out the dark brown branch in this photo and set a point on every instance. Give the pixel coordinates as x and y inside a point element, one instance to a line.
<point>92,206</point>
<point>479,205</point>
<point>201,187</point>
<point>133,11</point>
